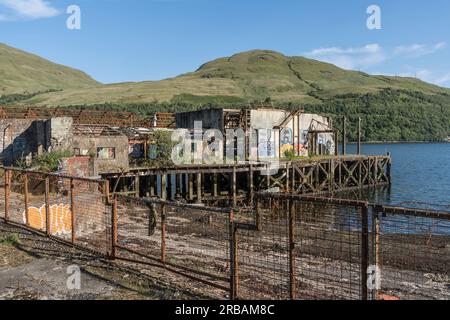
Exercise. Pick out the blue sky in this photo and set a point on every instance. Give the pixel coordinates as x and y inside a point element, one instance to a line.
<point>137,40</point>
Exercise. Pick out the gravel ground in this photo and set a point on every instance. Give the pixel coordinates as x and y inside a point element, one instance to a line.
<point>34,267</point>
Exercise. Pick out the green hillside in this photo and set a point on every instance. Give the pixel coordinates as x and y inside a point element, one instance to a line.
<point>21,72</point>
<point>247,76</point>
<point>392,108</point>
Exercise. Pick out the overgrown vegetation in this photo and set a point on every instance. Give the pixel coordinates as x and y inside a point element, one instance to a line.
<point>47,162</point>
<point>161,152</point>
<point>11,239</point>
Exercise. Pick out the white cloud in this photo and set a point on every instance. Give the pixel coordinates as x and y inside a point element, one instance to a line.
<point>418,50</point>
<point>350,58</point>
<point>443,80</point>
<point>429,76</point>
<point>31,9</point>
<point>356,58</point>
<point>370,48</point>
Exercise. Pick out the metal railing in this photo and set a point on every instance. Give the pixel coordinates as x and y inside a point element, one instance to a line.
<point>284,247</point>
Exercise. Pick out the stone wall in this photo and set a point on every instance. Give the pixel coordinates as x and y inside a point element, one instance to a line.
<point>59,133</point>
<point>21,139</point>
<point>87,145</point>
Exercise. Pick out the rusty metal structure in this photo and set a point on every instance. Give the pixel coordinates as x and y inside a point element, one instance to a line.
<point>280,246</point>
<point>91,117</point>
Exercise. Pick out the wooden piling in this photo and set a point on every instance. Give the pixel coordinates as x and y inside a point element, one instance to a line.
<point>215,189</point>
<point>164,186</point>
<point>152,185</point>
<point>137,188</point>
<point>191,186</point>
<point>344,135</point>
<point>199,187</point>
<point>359,137</point>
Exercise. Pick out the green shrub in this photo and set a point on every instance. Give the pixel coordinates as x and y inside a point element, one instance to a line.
<point>48,162</point>
<point>11,239</point>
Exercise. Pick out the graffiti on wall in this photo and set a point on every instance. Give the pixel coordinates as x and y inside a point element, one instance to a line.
<point>286,141</point>
<point>301,147</point>
<point>60,218</point>
<point>266,143</point>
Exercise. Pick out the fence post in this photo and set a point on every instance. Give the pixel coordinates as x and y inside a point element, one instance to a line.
<point>376,223</point>
<point>292,273</point>
<point>72,211</point>
<point>233,186</point>
<point>163,233</point>
<point>47,207</point>
<point>258,213</point>
<point>25,191</point>
<point>114,229</point>
<point>364,249</point>
<point>7,192</point>
<point>106,191</point>
<point>234,282</point>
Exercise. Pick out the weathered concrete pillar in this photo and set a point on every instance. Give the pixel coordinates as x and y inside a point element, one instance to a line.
<point>178,179</point>
<point>137,187</point>
<point>164,186</point>
<point>215,193</point>
<point>199,187</point>
<point>190,186</point>
<point>152,185</point>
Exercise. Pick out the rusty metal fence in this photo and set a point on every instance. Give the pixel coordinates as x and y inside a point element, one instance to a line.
<point>411,249</point>
<point>284,247</point>
<point>304,248</point>
<point>190,240</point>
<point>69,209</point>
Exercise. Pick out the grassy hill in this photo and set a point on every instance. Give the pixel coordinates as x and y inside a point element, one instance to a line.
<point>21,72</point>
<point>393,108</point>
<point>247,76</point>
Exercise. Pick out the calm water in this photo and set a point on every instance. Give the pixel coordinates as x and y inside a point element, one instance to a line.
<point>420,175</point>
